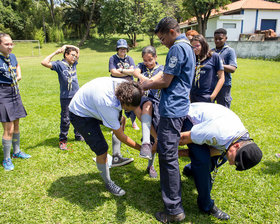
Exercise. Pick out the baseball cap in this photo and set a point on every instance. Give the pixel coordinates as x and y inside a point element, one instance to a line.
<point>122,43</point>
<point>248,156</point>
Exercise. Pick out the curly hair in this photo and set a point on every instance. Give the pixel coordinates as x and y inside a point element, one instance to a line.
<point>68,50</point>
<point>129,93</point>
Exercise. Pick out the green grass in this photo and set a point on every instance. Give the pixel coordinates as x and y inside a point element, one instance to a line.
<point>65,187</point>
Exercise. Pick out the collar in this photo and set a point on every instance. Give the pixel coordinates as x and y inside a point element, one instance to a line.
<point>120,57</point>
<point>4,56</point>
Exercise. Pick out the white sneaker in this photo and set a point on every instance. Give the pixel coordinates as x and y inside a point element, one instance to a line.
<point>135,126</point>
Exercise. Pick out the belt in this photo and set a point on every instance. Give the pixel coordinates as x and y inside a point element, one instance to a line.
<point>6,84</point>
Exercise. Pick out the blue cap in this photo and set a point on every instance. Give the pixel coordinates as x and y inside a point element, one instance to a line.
<point>122,43</point>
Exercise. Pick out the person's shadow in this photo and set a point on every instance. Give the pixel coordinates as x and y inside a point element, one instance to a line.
<point>271,167</point>
<point>88,191</point>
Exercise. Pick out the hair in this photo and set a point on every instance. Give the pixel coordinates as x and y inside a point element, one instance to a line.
<point>220,31</point>
<point>149,50</point>
<point>166,24</point>
<point>3,35</point>
<point>129,93</point>
<point>68,50</point>
<point>192,33</point>
<point>205,53</point>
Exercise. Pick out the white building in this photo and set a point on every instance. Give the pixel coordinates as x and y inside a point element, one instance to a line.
<point>241,17</point>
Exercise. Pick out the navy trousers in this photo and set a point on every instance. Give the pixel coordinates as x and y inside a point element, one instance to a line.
<point>170,179</point>
<point>201,169</point>
<point>65,120</point>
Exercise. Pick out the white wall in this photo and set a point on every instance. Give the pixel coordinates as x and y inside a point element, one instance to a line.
<point>249,21</point>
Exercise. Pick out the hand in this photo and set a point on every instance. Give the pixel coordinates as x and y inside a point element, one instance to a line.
<point>142,79</point>
<point>154,148</point>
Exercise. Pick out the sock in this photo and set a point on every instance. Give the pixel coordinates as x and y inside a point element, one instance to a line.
<point>151,162</point>
<point>7,148</point>
<point>16,148</point>
<point>105,173</point>
<point>146,121</point>
<point>116,145</point>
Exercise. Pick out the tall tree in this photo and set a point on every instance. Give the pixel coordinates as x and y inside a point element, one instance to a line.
<point>201,9</point>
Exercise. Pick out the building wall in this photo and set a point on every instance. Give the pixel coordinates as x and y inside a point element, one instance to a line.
<point>249,21</point>
<point>269,14</point>
<point>253,49</point>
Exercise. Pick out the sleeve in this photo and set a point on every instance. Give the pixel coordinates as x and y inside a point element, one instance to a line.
<point>218,62</point>
<point>111,63</point>
<point>55,65</point>
<point>174,60</point>
<point>232,58</point>
<point>140,66</point>
<point>131,62</point>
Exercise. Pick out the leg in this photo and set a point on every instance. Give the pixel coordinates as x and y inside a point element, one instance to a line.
<point>7,143</point>
<point>64,119</point>
<point>17,153</point>
<point>170,180</point>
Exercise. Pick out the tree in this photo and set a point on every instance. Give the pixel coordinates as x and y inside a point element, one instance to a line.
<point>173,8</point>
<point>201,9</point>
<point>152,14</point>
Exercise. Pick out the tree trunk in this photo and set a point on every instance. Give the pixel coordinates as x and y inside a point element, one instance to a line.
<point>51,8</point>
<point>89,24</point>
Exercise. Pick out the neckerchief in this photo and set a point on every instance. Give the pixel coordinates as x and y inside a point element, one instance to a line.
<point>224,47</point>
<point>12,72</point>
<point>182,41</point>
<point>120,59</point>
<point>150,75</point>
<point>220,159</point>
<point>70,71</point>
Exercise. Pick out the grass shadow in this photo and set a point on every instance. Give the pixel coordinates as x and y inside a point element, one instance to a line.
<point>52,142</point>
<point>142,193</point>
<point>271,167</point>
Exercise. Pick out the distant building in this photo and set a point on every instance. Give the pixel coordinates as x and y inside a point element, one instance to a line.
<point>241,17</point>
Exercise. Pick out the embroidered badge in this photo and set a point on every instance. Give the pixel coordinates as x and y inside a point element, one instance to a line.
<point>172,62</point>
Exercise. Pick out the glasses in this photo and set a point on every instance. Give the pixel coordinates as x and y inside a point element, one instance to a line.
<point>74,56</point>
<point>196,46</point>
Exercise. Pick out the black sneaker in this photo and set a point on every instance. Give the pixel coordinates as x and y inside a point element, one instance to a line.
<point>146,151</point>
<point>166,218</point>
<point>79,138</point>
<point>114,189</point>
<point>118,160</point>
<point>218,213</point>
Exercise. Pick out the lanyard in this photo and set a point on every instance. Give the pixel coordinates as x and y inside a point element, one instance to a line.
<point>220,159</point>
<point>71,71</point>
<point>12,72</point>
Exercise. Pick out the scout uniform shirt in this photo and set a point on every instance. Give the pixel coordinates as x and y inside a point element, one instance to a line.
<point>8,69</point>
<point>116,62</point>
<point>67,76</point>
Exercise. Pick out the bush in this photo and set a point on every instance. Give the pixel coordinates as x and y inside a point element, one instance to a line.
<point>39,35</point>
<point>55,34</point>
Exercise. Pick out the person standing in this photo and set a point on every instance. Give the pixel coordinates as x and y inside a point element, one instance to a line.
<point>101,101</point>
<point>67,76</point>
<point>228,57</point>
<point>175,84</point>
<point>11,107</point>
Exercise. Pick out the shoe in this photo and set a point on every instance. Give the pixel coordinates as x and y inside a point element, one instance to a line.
<point>115,189</point>
<point>152,172</point>
<point>135,126</point>
<point>166,218</point>
<point>218,213</point>
<point>8,165</point>
<point>187,171</point>
<point>79,138</point>
<point>21,155</point>
<point>118,160</point>
<point>63,145</point>
<point>146,151</point>
<point>277,155</point>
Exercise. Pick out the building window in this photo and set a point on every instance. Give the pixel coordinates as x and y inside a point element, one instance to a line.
<point>229,25</point>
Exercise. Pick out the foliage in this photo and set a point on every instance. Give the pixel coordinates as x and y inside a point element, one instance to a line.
<point>55,34</point>
<point>39,35</point>
<point>173,8</point>
<point>201,9</point>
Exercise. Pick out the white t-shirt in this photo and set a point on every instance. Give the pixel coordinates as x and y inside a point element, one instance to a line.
<point>97,99</point>
<point>214,125</point>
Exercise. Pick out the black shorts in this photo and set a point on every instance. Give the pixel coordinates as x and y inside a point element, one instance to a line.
<point>155,113</point>
<point>11,107</point>
<point>90,129</point>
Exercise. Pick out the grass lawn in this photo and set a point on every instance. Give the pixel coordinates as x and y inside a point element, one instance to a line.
<point>65,187</point>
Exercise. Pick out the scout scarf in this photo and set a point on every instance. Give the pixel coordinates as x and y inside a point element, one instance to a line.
<point>71,74</point>
<point>11,71</point>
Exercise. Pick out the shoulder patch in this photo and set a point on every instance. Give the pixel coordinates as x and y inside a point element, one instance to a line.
<point>173,61</point>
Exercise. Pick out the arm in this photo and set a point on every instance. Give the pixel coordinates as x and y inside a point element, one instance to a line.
<point>120,72</point>
<point>220,83</point>
<point>159,81</point>
<point>47,61</point>
<point>229,68</point>
<point>18,73</point>
<point>125,139</point>
<point>185,138</point>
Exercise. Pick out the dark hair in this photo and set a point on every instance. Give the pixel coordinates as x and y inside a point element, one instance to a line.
<point>149,50</point>
<point>3,35</point>
<point>220,31</point>
<point>68,50</point>
<point>129,93</point>
<point>204,46</point>
<point>166,24</point>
